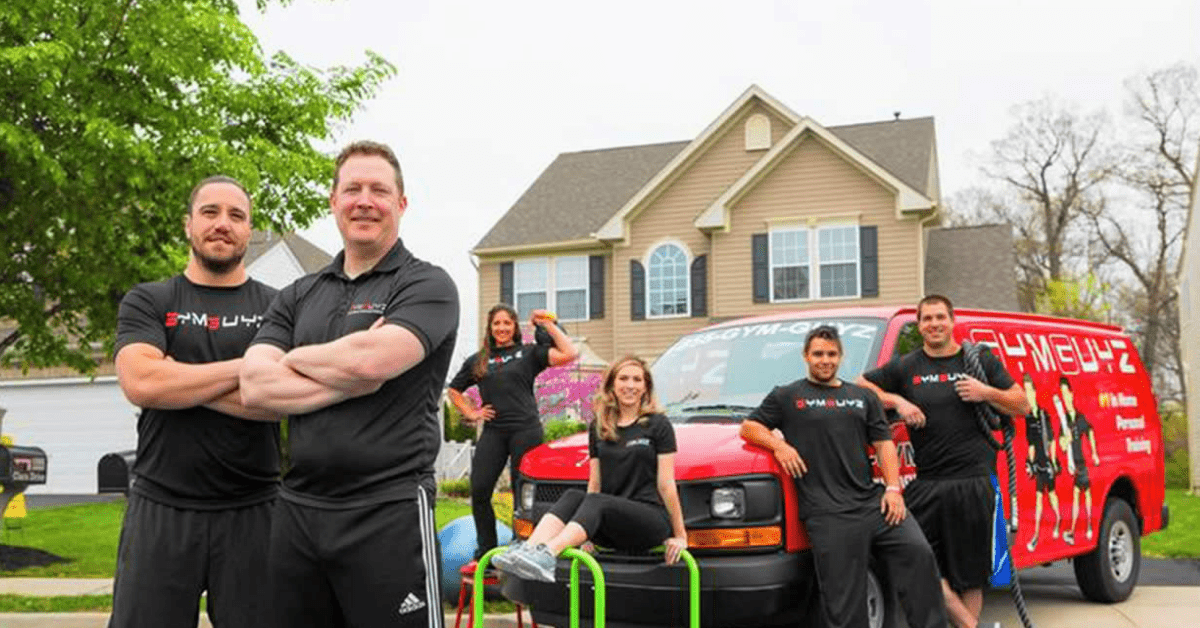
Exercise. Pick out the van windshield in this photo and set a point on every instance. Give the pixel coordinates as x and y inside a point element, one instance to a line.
<point>723,374</point>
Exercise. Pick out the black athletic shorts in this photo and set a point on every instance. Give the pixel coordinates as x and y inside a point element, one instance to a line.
<point>168,556</point>
<point>1082,480</point>
<point>956,517</point>
<point>366,567</point>
<point>1044,477</point>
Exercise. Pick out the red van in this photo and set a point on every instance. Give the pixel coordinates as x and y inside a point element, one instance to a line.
<point>1097,447</point>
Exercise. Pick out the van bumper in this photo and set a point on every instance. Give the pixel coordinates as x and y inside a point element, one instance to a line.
<point>761,589</point>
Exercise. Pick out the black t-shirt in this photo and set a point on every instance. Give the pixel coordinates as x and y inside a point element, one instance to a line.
<point>378,447</point>
<point>629,465</point>
<point>199,458</point>
<point>1038,433</point>
<point>951,444</point>
<point>1079,430</point>
<point>508,384</point>
<point>830,427</point>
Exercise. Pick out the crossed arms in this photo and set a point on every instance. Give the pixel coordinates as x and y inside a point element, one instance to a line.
<point>151,379</point>
<point>312,377</point>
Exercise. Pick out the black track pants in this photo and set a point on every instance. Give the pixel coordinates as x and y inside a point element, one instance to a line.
<point>843,544</point>
<point>612,521</point>
<point>494,450</point>
<point>368,567</point>
<point>169,556</point>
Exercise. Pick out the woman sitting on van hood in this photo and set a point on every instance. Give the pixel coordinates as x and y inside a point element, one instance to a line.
<point>504,369</point>
<point>631,501</point>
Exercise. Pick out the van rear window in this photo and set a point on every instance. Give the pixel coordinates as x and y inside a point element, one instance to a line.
<point>728,371</point>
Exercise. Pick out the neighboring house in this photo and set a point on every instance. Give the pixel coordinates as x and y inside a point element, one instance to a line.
<point>1189,326</point>
<point>765,211</point>
<point>76,420</point>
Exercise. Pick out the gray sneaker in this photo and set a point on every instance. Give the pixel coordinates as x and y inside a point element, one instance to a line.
<point>503,561</point>
<point>534,563</point>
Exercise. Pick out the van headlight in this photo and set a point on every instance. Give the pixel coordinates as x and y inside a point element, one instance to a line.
<point>728,503</point>
<point>527,490</point>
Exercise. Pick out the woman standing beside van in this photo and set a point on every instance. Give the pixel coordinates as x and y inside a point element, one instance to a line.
<point>504,369</point>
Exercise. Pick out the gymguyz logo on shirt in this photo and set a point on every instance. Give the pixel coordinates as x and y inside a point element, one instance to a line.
<point>212,322</point>
<point>505,359</point>
<point>937,378</point>
<point>366,307</point>
<point>830,403</point>
<point>638,442</point>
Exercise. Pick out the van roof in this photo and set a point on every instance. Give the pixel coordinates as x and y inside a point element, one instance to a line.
<point>890,312</point>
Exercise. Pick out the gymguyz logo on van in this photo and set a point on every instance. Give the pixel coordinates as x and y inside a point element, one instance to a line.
<point>212,322</point>
<point>830,403</point>
<point>366,307</point>
<point>937,378</point>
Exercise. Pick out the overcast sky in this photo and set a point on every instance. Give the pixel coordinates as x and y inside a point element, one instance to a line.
<point>488,93</point>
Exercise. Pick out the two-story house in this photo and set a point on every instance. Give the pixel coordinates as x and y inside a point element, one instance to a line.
<point>766,210</point>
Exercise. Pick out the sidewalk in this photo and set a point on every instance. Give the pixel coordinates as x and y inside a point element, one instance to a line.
<point>49,587</point>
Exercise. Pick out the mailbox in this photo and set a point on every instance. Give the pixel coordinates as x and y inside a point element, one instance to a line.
<point>22,465</point>
<point>114,473</point>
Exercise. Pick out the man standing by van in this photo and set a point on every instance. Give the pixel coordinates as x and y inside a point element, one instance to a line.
<point>199,512</point>
<point>827,425</point>
<point>356,354</point>
<point>952,497</point>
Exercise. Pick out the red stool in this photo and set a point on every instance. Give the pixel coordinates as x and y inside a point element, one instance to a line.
<point>467,586</point>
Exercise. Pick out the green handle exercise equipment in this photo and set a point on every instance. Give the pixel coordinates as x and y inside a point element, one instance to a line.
<point>598,604</point>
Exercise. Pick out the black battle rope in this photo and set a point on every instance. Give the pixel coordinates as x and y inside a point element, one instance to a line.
<point>989,421</point>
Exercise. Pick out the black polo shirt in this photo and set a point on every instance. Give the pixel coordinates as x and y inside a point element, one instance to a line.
<point>830,427</point>
<point>378,447</point>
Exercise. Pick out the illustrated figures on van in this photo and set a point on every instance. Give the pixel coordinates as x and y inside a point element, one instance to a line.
<point>1042,463</point>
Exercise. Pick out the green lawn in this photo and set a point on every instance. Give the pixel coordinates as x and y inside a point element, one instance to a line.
<point>87,534</point>
<point>1181,539</point>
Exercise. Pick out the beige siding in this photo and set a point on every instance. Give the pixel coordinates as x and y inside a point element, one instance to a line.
<point>670,216</point>
<point>597,332</point>
<point>813,182</point>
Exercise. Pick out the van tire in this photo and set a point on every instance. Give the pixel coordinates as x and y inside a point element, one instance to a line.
<point>1110,571</point>
<point>882,603</point>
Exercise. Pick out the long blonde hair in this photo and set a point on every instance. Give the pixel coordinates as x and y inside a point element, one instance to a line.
<point>608,409</point>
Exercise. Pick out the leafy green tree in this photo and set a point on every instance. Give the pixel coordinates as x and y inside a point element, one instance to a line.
<point>110,110</point>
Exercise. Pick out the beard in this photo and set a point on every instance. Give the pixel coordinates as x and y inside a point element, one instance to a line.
<point>217,265</point>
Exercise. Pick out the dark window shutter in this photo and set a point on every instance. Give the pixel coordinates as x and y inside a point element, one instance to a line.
<point>760,268</point>
<point>868,250</point>
<point>700,286</point>
<point>596,286</point>
<point>637,290</point>
<point>506,284</point>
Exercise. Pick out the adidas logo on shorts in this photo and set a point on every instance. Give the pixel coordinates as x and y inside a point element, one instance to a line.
<point>410,604</point>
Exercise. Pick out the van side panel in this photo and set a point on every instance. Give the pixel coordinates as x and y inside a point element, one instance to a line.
<point>1091,386</point>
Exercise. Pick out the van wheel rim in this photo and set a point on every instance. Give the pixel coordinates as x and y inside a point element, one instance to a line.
<point>1120,551</point>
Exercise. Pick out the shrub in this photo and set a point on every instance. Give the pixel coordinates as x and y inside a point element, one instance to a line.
<point>502,504</point>
<point>1175,449</point>
<point>456,429</point>
<point>560,428</point>
<point>455,488</point>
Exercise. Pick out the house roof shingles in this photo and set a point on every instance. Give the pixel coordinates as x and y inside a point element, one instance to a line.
<point>578,192</point>
<point>974,266</point>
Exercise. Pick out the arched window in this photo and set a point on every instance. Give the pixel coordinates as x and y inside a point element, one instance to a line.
<point>667,288</point>
<point>758,132</point>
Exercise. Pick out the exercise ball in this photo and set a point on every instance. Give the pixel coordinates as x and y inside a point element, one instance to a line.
<point>458,543</point>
